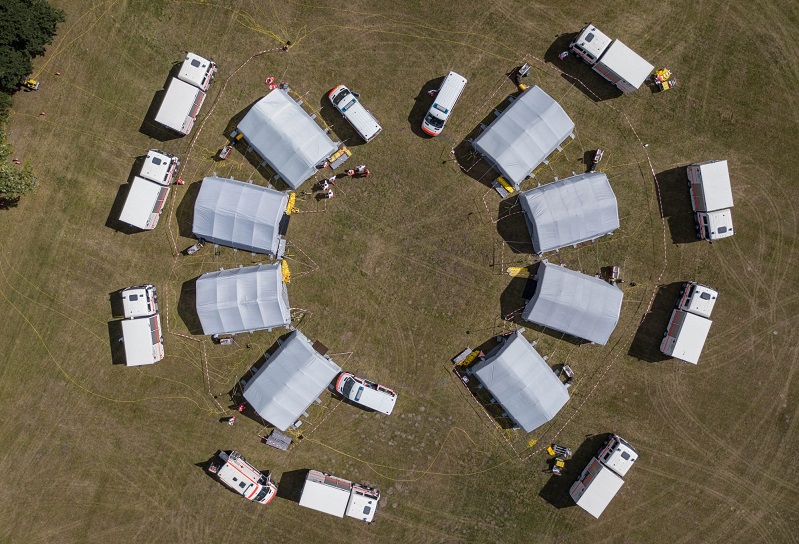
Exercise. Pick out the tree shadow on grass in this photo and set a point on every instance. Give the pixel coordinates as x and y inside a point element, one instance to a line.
<point>676,202</point>
<point>421,104</point>
<point>556,490</point>
<point>578,73</point>
<point>646,343</point>
<point>187,307</point>
<point>117,347</point>
<point>149,127</point>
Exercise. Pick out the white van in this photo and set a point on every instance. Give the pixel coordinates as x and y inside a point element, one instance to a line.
<point>243,478</point>
<point>366,393</point>
<point>355,113</point>
<point>446,97</point>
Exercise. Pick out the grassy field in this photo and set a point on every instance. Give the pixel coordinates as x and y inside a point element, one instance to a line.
<point>399,273</point>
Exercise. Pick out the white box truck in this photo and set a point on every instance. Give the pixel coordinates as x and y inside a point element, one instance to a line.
<point>235,472</point>
<point>711,199</point>
<point>689,324</point>
<point>185,94</point>
<point>149,190</point>
<point>141,329</point>
<point>611,59</point>
<point>603,477</point>
<point>337,496</point>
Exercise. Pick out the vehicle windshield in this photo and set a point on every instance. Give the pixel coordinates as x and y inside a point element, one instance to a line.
<point>346,388</point>
<point>340,96</point>
<point>433,121</point>
<point>262,494</point>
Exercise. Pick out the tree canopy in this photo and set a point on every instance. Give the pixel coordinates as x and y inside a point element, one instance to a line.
<point>26,27</point>
<point>15,181</point>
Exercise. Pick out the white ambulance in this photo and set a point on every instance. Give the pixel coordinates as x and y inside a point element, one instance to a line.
<point>445,99</point>
<point>368,394</point>
<point>243,478</point>
<point>355,113</point>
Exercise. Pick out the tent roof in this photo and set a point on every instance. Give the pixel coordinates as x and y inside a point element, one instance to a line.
<point>286,137</point>
<point>290,380</point>
<point>522,382</point>
<point>243,299</point>
<point>239,215</point>
<point>525,134</point>
<point>574,303</point>
<point>570,211</point>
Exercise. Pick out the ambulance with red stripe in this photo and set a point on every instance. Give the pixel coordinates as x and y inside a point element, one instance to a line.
<point>243,478</point>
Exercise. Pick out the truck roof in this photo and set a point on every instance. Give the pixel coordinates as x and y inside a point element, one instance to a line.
<point>177,105</point>
<point>592,40</point>
<point>691,338</point>
<point>618,455</point>
<point>627,63</point>
<point>363,503</point>
<point>599,488</point>
<point>715,184</point>
<point>719,223</point>
<point>195,70</point>
<point>326,494</point>
<point>239,475</point>
<point>142,202</point>
<point>139,301</point>
<point>698,299</point>
<point>158,167</point>
<point>142,339</point>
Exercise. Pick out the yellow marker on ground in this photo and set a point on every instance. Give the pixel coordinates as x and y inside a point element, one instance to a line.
<point>290,208</point>
<point>284,265</point>
<point>518,272</point>
<point>507,186</point>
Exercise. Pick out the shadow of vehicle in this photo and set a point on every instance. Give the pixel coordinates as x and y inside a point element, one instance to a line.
<point>556,490</point>
<point>117,309</point>
<point>112,221</point>
<point>340,127</point>
<point>512,226</point>
<point>675,199</point>
<point>646,342</point>
<point>187,307</point>
<point>421,104</point>
<point>115,343</point>
<point>291,485</point>
<point>577,72</point>
<point>149,127</point>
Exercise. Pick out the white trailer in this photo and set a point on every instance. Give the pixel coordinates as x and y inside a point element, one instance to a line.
<point>611,59</point>
<point>339,497</point>
<point>235,472</point>
<point>711,199</point>
<point>144,204</point>
<point>603,477</point>
<point>685,336</point>
<point>144,344</point>
<point>186,93</point>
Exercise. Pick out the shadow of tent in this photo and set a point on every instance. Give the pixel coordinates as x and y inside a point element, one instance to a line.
<point>341,128</point>
<point>512,226</point>
<point>646,342</point>
<point>676,202</point>
<point>578,73</point>
<point>112,221</point>
<point>117,347</point>
<point>185,210</point>
<point>472,163</point>
<point>556,490</point>
<point>148,126</point>
<point>421,104</point>
<point>291,485</point>
<point>187,307</point>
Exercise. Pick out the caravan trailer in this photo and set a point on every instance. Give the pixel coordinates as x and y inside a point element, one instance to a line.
<point>445,99</point>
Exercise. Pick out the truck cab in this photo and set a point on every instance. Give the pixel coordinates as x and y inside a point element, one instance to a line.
<point>159,167</point>
<point>139,301</point>
<point>198,71</point>
<point>698,299</point>
<point>714,225</point>
<point>243,478</point>
<point>618,455</point>
<point>589,44</point>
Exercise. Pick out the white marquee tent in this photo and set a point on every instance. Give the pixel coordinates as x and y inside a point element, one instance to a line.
<point>239,215</point>
<point>524,135</point>
<point>570,211</point>
<point>522,382</point>
<point>243,299</point>
<point>290,380</point>
<point>286,137</point>
<point>574,303</point>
